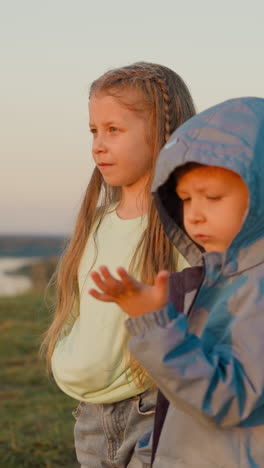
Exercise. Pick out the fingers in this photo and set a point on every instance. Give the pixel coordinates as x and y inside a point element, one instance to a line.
<point>98,280</point>
<point>106,282</point>
<point>127,280</point>
<point>163,276</point>
<point>100,296</point>
<point>106,273</point>
<point>161,280</point>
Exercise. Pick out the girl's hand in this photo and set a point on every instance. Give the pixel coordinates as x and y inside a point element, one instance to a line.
<point>133,297</point>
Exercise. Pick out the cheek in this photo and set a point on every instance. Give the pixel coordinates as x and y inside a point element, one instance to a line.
<point>93,153</point>
<point>240,209</point>
<point>236,225</point>
<point>185,217</point>
<point>139,158</point>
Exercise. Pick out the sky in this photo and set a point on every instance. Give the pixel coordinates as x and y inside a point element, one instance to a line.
<point>52,50</point>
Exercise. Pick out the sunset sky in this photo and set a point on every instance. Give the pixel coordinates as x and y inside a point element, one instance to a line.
<point>52,50</point>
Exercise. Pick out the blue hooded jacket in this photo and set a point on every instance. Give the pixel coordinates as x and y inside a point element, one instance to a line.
<point>209,360</point>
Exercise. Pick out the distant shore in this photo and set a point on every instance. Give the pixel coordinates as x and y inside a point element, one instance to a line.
<point>31,245</point>
<point>10,285</point>
<point>28,262</point>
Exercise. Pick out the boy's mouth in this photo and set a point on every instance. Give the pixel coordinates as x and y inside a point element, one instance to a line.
<point>201,237</point>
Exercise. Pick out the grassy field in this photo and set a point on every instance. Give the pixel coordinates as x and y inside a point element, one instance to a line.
<point>36,422</point>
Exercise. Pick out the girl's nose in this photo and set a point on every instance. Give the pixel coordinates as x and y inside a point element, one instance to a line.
<point>99,145</point>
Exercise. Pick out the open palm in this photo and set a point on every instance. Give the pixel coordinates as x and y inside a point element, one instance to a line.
<point>133,297</point>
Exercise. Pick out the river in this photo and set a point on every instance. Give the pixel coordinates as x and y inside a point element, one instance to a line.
<point>11,285</point>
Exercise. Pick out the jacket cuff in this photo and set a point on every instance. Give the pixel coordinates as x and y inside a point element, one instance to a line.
<point>158,318</point>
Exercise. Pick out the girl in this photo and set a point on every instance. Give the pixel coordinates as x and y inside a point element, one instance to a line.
<point>133,111</point>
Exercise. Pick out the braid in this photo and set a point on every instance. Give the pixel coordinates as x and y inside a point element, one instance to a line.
<point>166,106</point>
<point>156,74</point>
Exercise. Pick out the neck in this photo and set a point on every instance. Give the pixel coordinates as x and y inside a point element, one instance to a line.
<point>133,202</point>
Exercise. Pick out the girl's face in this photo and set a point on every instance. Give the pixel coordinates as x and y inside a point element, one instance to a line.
<point>120,149</point>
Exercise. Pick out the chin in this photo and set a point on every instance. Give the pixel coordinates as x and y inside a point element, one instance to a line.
<point>216,249</point>
<point>117,182</point>
<point>113,182</point>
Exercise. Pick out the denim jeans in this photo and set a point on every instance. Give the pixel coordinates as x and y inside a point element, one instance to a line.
<point>106,434</point>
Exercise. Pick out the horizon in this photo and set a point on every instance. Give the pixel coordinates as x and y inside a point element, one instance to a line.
<point>32,234</point>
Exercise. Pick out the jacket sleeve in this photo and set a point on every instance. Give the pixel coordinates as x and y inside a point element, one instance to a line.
<point>225,384</point>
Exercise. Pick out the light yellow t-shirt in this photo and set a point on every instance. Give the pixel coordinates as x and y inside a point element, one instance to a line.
<point>91,363</point>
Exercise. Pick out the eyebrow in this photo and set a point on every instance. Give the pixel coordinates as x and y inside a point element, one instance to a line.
<point>180,191</point>
<point>106,124</point>
<point>200,190</point>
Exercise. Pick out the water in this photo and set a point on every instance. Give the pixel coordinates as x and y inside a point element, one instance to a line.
<point>10,285</point>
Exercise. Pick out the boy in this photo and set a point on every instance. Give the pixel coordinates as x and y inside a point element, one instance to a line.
<point>206,355</point>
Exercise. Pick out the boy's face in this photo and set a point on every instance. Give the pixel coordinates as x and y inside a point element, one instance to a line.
<point>215,201</point>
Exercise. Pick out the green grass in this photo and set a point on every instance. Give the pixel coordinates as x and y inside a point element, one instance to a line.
<point>36,427</point>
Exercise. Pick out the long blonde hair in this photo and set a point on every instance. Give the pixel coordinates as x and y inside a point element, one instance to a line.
<point>168,103</point>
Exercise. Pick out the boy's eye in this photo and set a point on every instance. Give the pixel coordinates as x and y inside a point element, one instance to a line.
<point>113,129</point>
<point>93,131</point>
<point>210,197</point>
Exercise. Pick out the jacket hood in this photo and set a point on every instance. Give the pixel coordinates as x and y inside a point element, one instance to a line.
<point>228,135</point>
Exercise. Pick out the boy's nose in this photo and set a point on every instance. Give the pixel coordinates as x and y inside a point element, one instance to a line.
<point>194,213</point>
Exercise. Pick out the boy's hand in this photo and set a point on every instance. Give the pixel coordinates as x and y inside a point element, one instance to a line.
<point>133,297</point>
